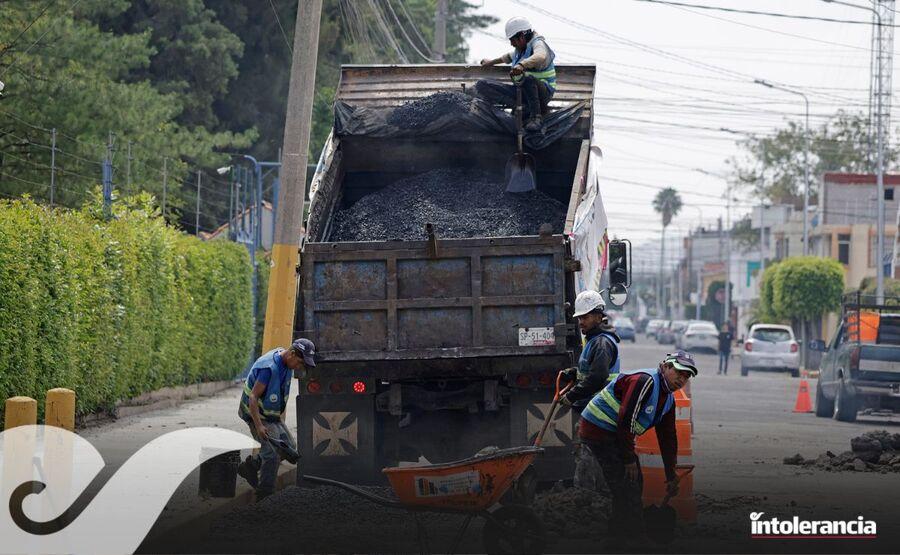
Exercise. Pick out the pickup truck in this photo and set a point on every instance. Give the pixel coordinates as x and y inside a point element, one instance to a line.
<point>860,368</point>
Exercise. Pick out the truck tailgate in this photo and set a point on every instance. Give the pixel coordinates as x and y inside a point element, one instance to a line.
<point>879,363</point>
<point>404,301</point>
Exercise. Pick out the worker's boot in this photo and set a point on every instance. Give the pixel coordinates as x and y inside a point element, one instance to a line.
<point>249,470</point>
<point>535,123</point>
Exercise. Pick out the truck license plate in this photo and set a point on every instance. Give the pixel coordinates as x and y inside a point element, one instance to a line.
<point>536,337</point>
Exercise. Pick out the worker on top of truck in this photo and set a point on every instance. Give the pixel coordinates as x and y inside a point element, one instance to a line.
<point>262,407</point>
<point>531,67</point>
<point>632,403</point>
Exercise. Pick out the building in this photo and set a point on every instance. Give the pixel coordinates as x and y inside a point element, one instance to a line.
<point>844,226</point>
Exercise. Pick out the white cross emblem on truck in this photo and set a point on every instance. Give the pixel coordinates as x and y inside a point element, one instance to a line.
<point>339,432</point>
<point>560,426</point>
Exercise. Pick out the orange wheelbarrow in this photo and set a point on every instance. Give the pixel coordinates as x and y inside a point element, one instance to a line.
<point>471,487</point>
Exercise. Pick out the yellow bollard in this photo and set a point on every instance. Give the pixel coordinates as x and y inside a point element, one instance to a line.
<point>20,411</point>
<point>59,410</point>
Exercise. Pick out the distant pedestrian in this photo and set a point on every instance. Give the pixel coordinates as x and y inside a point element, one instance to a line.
<point>262,407</point>
<point>725,339</point>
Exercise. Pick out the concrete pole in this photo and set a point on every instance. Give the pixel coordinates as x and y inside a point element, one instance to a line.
<point>699,291</point>
<point>879,145</point>
<point>662,254</point>
<point>727,319</point>
<point>440,31</point>
<point>762,239</point>
<point>282,298</point>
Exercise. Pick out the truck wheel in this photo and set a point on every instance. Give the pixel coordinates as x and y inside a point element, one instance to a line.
<point>824,407</point>
<point>514,530</point>
<point>744,370</point>
<point>844,405</point>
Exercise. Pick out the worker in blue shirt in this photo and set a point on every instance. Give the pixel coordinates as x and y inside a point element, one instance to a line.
<point>262,407</point>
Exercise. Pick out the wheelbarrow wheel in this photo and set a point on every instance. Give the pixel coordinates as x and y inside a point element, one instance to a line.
<point>514,529</point>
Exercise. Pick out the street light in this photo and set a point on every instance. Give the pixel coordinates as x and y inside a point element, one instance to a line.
<point>765,83</point>
<point>879,169</point>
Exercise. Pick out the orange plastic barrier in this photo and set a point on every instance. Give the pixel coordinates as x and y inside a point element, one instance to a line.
<point>647,447</point>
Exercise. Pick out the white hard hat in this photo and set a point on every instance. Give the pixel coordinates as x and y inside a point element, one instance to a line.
<point>587,301</point>
<point>516,25</point>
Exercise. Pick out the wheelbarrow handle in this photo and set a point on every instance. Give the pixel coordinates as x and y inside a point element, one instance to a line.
<point>556,396</point>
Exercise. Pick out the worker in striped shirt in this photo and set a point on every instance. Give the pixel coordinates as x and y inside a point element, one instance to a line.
<point>631,403</point>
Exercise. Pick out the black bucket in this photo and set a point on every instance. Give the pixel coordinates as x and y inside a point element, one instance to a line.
<point>218,475</point>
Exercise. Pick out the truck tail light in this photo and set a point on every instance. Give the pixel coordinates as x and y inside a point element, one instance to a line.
<point>854,358</point>
<point>359,387</point>
<point>794,347</point>
<point>313,386</point>
<point>748,346</point>
<point>523,380</point>
<point>546,379</point>
<point>336,387</point>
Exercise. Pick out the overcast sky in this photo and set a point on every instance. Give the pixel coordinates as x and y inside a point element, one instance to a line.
<point>686,73</point>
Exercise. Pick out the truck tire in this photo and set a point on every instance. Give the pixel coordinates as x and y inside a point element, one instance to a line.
<point>824,407</point>
<point>844,405</point>
<point>523,532</point>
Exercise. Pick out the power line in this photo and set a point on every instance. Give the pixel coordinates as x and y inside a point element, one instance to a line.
<point>13,42</point>
<point>287,43</point>
<point>754,12</point>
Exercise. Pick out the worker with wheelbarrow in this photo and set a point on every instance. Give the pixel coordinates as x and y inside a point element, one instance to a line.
<point>633,402</point>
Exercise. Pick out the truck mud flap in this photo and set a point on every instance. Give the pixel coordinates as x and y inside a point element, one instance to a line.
<point>528,411</point>
<point>336,440</point>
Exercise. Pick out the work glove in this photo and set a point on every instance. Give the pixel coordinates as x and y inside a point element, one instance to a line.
<point>570,374</point>
<point>516,70</point>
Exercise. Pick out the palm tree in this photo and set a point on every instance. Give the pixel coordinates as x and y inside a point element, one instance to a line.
<point>667,204</point>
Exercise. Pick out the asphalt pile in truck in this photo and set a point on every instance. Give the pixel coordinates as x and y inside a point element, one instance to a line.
<point>421,112</point>
<point>459,203</point>
<point>877,451</point>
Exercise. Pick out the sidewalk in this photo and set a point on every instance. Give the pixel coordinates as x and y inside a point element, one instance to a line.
<point>118,440</point>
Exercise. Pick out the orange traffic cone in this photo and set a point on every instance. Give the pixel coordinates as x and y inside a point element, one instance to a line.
<point>803,403</point>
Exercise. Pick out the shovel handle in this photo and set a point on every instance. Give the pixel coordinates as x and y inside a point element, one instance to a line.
<point>688,468</point>
<point>557,394</point>
<point>519,130</point>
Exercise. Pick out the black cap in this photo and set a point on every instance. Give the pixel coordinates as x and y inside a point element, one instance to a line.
<point>307,349</point>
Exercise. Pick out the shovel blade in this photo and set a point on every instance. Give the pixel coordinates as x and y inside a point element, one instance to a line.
<point>520,176</point>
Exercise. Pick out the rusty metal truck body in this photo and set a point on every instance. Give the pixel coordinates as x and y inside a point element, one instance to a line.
<point>435,348</point>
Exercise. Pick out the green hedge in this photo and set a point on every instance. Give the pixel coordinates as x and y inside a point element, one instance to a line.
<point>115,309</point>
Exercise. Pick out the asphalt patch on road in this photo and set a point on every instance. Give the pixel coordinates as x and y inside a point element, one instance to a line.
<point>459,203</point>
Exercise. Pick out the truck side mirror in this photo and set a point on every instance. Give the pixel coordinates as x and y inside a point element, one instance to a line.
<point>619,256</point>
<point>618,294</point>
<point>817,345</point>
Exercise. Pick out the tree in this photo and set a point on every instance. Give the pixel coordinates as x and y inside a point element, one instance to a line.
<point>773,166</point>
<point>66,72</point>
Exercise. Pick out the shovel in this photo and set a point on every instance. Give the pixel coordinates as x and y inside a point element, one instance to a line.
<point>659,521</point>
<point>285,450</point>
<point>556,397</point>
<point>520,166</point>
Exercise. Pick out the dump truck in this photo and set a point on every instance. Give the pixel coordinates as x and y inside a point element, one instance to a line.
<point>435,349</point>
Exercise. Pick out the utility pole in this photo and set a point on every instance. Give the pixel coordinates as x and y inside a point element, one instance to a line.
<point>662,254</point>
<point>440,30</point>
<point>699,291</point>
<point>728,256</point>
<point>52,165</point>
<point>107,177</point>
<point>282,298</point>
<point>762,239</point>
<point>197,216</point>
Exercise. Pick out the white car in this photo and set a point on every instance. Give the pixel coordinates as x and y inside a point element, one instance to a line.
<point>770,347</point>
<point>652,327</point>
<point>699,336</point>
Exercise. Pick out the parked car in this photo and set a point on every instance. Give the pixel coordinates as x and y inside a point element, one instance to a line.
<point>861,366</point>
<point>770,347</point>
<point>699,336</point>
<point>653,326</point>
<point>669,334</point>
<point>625,328</point>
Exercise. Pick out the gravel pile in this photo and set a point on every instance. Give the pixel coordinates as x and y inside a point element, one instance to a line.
<point>871,452</point>
<point>421,112</point>
<point>331,520</point>
<point>460,204</point>
<point>573,512</point>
